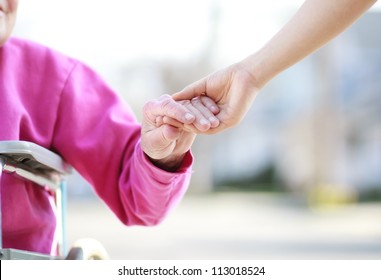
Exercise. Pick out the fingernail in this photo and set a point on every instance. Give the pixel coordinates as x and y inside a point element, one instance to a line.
<point>213,119</point>
<point>214,109</point>
<point>189,116</point>
<point>204,122</point>
<point>159,121</point>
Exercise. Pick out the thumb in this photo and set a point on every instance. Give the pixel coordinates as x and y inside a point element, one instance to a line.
<point>169,133</point>
<point>160,142</point>
<point>193,90</point>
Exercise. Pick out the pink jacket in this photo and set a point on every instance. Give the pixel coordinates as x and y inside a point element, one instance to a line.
<point>61,104</point>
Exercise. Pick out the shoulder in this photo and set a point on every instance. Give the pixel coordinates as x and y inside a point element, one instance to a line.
<point>46,70</point>
<point>34,55</point>
<point>40,64</point>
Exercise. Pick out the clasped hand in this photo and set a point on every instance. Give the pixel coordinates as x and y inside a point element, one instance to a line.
<point>168,128</point>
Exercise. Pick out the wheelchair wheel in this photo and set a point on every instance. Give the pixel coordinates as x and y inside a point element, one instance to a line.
<point>87,249</point>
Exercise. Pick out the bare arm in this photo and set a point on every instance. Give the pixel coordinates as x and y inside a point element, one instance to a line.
<point>314,24</point>
<point>235,87</point>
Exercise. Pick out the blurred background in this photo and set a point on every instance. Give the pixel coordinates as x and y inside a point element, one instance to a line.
<point>299,178</point>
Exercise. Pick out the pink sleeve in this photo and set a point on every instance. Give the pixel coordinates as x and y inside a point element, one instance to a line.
<point>97,133</point>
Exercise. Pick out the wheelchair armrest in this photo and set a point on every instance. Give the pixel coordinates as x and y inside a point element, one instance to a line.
<point>42,167</point>
<point>34,157</point>
<point>33,162</point>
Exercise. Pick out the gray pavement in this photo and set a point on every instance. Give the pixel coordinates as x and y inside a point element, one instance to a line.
<point>235,226</point>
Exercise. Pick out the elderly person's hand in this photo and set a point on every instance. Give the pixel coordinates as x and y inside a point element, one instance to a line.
<point>166,143</point>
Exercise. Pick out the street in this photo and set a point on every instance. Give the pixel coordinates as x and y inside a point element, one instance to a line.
<point>235,226</point>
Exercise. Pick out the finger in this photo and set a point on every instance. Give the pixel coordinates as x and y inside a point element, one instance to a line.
<point>185,127</point>
<point>203,115</point>
<point>172,122</point>
<point>166,106</point>
<point>210,104</point>
<point>170,133</point>
<point>195,106</point>
<point>195,89</point>
<point>159,121</point>
<point>205,119</point>
<point>161,141</point>
<point>208,108</point>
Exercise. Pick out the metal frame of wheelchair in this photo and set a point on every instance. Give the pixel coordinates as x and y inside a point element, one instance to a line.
<point>46,169</point>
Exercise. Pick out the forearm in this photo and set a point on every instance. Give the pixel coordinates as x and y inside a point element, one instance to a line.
<point>314,24</point>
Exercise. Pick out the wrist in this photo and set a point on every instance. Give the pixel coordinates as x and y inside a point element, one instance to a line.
<point>258,69</point>
<point>170,163</point>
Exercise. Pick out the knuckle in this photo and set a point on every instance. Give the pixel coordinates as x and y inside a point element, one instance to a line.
<point>147,106</point>
<point>184,102</point>
<point>196,100</point>
<point>165,103</point>
<point>164,96</point>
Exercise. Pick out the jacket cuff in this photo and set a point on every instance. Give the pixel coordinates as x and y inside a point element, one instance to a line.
<point>160,174</point>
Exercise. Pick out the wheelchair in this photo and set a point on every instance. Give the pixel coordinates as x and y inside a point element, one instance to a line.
<point>29,161</point>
